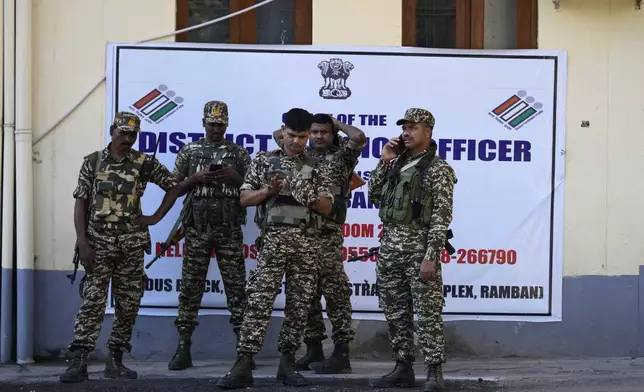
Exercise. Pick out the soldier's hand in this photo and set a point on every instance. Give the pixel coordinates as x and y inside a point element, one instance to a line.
<point>274,185</point>
<point>147,220</point>
<point>389,151</point>
<point>336,123</point>
<point>86,256</point>
<point>227,173</point>
<point>278,136</point>
<point>427,271</point>
<point>324,205</point>
<point>205,176</point>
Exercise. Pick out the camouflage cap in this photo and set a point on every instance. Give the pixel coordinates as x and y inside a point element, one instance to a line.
<point>216,112</point>
<point>417,115</point>
<point>127,121</point>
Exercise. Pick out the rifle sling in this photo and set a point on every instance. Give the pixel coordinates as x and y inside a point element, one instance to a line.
<point>97,164</point>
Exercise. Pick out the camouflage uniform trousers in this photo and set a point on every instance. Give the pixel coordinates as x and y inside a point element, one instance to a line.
<point>285,250</point>
<point>401,293</point>
<point>120,260</point>
<point>333,283</point>
<point>228,244</point>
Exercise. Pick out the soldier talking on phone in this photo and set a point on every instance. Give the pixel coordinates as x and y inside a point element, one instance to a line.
<point>415,189</point>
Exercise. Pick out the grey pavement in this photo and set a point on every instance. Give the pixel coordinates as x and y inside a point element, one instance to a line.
<point>476,374</point>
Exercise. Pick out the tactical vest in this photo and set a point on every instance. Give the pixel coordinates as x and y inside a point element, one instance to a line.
<point>403,200</point>
<point>218,207</point>
<point>282,208</point>
<point>341,193</point>
<point>116,201</point>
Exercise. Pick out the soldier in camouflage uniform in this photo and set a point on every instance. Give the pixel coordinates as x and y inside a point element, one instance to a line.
<point>214,222</point>
<point>414,188</point>
<point>291,190</point>
<point>332,280</point>
<point>111,242</point>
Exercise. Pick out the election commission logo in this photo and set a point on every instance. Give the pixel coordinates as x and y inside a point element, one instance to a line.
<point>335,73</point>
<point>517,111</point>
<point>157,105</point>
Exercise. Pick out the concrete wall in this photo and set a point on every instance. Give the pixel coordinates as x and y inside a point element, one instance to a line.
<point>604,284</point>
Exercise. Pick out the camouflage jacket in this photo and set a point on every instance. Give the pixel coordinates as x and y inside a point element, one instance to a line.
<point>160,176</point>
<point>439,181</point>
<point>304,191</point>
<point>344,159</point>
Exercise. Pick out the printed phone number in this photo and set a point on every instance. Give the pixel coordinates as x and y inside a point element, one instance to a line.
<point>462,256</point>
<point>481,256</point>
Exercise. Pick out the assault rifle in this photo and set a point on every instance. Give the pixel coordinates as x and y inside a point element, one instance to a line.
<point>178,232</point>
<point>376,249</point>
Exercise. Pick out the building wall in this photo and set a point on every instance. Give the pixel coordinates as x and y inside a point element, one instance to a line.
<point>603,239</point>
<point>605,43</point>
<point>381,25</point>
<point>70,38</point>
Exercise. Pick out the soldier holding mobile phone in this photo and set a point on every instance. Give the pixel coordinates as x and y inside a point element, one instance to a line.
<point>414,188</point>
<point>214,221</point>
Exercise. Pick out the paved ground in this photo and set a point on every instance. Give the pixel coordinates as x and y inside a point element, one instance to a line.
<point>588,375</point>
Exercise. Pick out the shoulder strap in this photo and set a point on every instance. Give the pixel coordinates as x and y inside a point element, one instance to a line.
<point>98,161</point>
<point>95,161</point>
<point>237,165</point>
<point>426,163</point>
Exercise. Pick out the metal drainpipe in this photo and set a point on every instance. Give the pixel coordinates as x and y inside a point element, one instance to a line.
<point>24,185</point>
<point>8,196</point>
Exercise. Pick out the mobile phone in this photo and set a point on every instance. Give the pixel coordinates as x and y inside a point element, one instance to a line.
<point>215,167</point>
<point>400,146</point>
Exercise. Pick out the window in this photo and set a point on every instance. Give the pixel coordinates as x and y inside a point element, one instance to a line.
<point>470,24</point>
<point>283,22</point>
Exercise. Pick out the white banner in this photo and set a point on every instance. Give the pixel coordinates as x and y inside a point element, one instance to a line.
<point>500,122</point>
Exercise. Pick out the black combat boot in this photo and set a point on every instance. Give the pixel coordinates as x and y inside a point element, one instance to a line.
<point>181,359</point>
<point>401,377</point>
<point>240,376</point>
<point>434,381</point>
<point>114,367</point>
<point>337,363</point>
<point>287,374</point>
<point>314,353</point>
<point>77,370</point>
